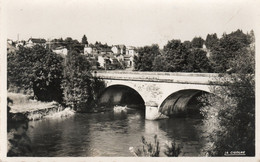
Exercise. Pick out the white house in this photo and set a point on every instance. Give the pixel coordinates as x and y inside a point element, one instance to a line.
<point>129,60</point>
<point>101,61</point>
<point>118,49</point>
<point>115,49</point>
<point>130,50</point>
<point>87,50</point>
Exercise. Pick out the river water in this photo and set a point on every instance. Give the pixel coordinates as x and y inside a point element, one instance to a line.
<point>111,134</point>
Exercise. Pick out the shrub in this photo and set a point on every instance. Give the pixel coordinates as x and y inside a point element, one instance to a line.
<point>172,149</point>
<point>149,149</point>
<point>153,150</point>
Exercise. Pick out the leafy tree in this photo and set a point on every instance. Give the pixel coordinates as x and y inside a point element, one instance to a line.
<point>47,76</point>
<point>187,44</point>
<point>144,62</point>
<point>229,46</point>
<point>197,42</point>
<point>72,44</point>
<point>36,69</point>
<point>84,40</point>
<point>198,61</point>
<point>211,41</point>
<point>229,116</point>
<point>176,55</point>
<point>159,63</point>
<point>251,36</point>
<point>77,82</point>
<point>19,70</point>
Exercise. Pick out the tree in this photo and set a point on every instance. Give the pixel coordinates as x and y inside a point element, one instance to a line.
<point>176,55</point>
<point>47,76</point>
<point>227,49</point>
<point>36,69</point>
<point>72,44</point>
<point>197,42</point>
<point>159,63</point>
<point>212,41</point>
<point>229,115</point>
<point>187,44</point>
<point>147,54</point>
<point>19,70</point>
<point>77,82</point>
<point>198,61</point>
<point>84,40</point>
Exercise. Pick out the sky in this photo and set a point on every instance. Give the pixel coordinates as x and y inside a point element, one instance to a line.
<point>129,22</point>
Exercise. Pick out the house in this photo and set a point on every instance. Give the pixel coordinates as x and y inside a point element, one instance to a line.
<point>129,61</point>
<point>88,50</point>
<point>119,49</point>
<point>131,51</point>
<point>34,41</point>
<point>101,59</point>
<point>61,50</point>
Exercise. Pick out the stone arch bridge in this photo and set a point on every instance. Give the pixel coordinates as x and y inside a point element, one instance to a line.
<point>163,93</point>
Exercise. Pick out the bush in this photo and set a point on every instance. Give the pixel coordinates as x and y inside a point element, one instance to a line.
<point>149,149</point>
<point>153,150</point>
<point>172,149</point>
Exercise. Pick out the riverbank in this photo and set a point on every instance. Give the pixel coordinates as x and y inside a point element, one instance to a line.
<point>35,110</point>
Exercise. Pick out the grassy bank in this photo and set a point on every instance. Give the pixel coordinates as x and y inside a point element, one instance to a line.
<point>35,110</point>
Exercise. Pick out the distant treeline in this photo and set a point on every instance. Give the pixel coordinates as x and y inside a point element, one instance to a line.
<point>211,55</point>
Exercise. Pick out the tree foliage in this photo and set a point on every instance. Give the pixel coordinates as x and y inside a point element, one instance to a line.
<point>80,88</point>
<point>230,114</point>
<point>77,81</point>
<point>211,41</point>
<point>176,55</point>
<point>144,62</point>
<point>84,40</point>
<point>36,69</point>
<point>197,42</point>
<point>198,61</point>
<point>159,63</point>
<point>229,46</point>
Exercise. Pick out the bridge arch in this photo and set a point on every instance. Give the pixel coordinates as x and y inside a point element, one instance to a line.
<point>182,102</point>
<point>119,94</point>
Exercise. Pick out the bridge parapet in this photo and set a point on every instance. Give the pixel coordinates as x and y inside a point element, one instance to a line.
<point>166,77</point>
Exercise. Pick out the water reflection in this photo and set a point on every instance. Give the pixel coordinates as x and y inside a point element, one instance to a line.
<point>109,134</point>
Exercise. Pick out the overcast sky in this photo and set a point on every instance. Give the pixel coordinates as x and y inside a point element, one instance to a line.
<point>131,22</point>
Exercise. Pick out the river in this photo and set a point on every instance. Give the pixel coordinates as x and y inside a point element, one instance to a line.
<point>110,134</point>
